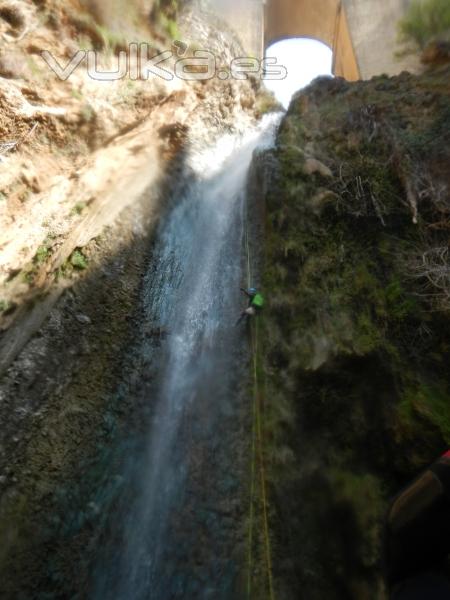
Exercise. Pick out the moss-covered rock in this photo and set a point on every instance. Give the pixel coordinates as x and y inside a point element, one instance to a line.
<point>357,332</point>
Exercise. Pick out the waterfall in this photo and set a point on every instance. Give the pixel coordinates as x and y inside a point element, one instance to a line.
<point>175,539</point>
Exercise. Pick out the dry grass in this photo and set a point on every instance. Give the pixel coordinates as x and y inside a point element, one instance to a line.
<point>431,268</point>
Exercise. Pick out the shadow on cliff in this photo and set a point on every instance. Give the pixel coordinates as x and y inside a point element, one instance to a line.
<point>65,403</point>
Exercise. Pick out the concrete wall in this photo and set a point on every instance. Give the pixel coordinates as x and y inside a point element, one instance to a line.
<point>373,26</point>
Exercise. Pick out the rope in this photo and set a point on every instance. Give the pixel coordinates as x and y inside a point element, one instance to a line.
<point>257,439</point>
<point>253,454</point>
<point>263,472</point>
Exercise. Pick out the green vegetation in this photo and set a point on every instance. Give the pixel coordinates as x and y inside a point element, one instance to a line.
<point>169,26</point>
<point>166,7</point>
<point>266,103</point>
<point>426,21</point>
<point>425,141</point>
<point>78,260</point>
<point>92,34</point>
<point>172,30</point>
<point>88,113</point>
<point>78,208</point>
<point>112,40</point>
<point>77,94</point>
<point>64,271</point>
<point>4,305</point>
<point>164,15</point>
<point>42,254</point>
<point>44,251</point>
<point>28,276</point>
<point>355,345</point>
<point>363,494</point>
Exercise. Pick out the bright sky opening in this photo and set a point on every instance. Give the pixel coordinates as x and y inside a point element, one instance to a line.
<point>304,59</point>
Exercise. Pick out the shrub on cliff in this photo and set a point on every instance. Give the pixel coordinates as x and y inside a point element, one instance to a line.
<point>426,21</point>
<point>164,15</point>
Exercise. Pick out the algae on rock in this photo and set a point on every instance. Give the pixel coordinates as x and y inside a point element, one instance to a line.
<point>356,337</point>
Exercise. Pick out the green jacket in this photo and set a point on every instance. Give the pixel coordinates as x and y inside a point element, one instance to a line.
<point>258,301</point>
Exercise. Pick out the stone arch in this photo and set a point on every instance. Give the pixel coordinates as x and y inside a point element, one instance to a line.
<point>322,20</point>
<point>361,33</point>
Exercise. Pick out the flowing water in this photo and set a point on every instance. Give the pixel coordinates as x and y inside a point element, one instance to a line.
<point>182,527</point>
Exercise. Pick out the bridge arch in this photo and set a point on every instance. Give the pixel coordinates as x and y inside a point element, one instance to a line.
<point>361,33</point>
<point>322,20</point>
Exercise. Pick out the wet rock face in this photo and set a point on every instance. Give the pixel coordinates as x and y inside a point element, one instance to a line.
<point>357,331</point>
<point>59,409</point>
<point>63,400</point>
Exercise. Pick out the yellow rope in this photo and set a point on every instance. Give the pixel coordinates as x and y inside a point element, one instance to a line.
<point>253,454</point>
<point>252,500</point>
<point>263,474</point>
<point>257,437</point>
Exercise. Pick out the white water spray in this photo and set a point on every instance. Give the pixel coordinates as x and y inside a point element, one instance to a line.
<point>193,296</point>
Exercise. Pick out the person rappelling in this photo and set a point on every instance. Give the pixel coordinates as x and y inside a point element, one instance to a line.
<point>255,304</point>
